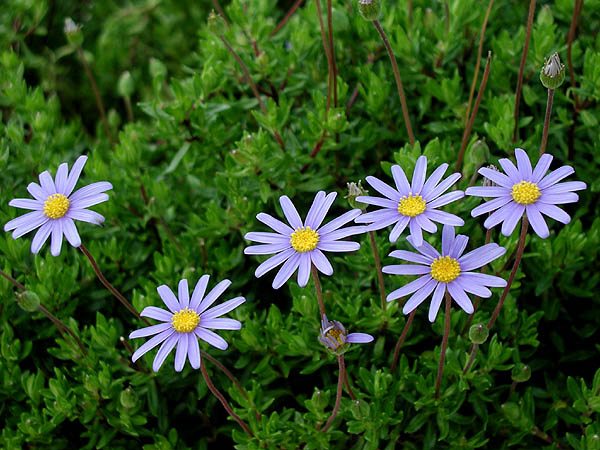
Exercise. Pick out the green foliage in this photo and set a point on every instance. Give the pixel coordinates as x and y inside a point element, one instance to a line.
<point>195,159</point>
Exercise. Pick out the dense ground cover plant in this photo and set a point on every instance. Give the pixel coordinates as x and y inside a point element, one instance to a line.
<point>199,126</point>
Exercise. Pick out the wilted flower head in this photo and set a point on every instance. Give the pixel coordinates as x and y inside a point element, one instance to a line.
<point>333,336</point>
<point>369,9</point>
<point>487,181</point>
<point>355,190</point>
<point>73,32</point>
<point>55,207</point>
<point>553,72</point>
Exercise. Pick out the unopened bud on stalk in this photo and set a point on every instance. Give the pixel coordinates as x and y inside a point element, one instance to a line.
<point>369,9</point>
<point>356,190</point>
<point>553,72</point>
<point>478,334</point>
<point>216,24</point>
<point>73,32</point>
<point>29,301</point>
<point>125,87</point>
<point>521,373</point>
<point>479,153</point>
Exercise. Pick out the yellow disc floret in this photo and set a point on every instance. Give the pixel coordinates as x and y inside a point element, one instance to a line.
<point>411,206</point>
<point>304,239</point>
<point>445,269</point>
<point>336,335</point>
<point>525,192</point>
<point>185,321</point>
<point>56,206</point>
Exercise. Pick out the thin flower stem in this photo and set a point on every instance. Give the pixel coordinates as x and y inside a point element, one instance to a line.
<point>438,380</point>
<point>488,238</point>
<point>388,47</point>
<point>99,104</point>
<point>318,290</point>
<point>332,52</point>
<point>329,65</point>
<point>574,19</point>
<point>513,272</point>
<point>338,398</point>
<point>547,121</point>
<point>474,348</point>
<point>109,286</point>
<point>536,431</point>
<point>478,63</point>
<point>522,67</point>
<point>401,340</point>
<point>14,282</point>
<point>252,86</point>
<point>129,108</point>
<point>347,384</point>
<point>379,272</point>
<point>467,132</point>
<point>289,14</point>
<point>220,397</point>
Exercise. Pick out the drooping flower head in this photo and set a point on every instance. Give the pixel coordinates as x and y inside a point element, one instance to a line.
<point>449,270</point>
<point>526,190</point>
<point>333,336</point>
<point>302,244</point>
<point>55,206</point>
<point>185,322</point>
<point>413,205</point>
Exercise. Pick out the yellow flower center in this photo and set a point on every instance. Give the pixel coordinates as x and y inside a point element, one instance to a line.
<point>445,269</point>
<point>411,206</point>
<point>56,206</point>
<point>525,192</point>
<point>185,321</point>
<point>335,334</point>
<point>304,239</point>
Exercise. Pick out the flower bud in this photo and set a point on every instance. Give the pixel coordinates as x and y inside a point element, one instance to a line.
<point>128,398</point>
<point>479,153</point>
<point>521,373</point>
<point>125,87</point>
<point>216,24</point>
<point>369,9</point>
<point>356,190</point>
<point>553,72</point>
<point>29,301</point>
<point>73,32</point>
<point>478,333</point>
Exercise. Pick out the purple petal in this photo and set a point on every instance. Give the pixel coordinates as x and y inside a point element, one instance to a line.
<point>212,338</point>
<point>338,246</point>
<point>61,178</point>
<point>273,262</point>
<point>487,191</point>
<point>304,269</point>
<point>419,175</point>
<point>444,217</point>
<point>447,239</point>
<point>497,177</point>
<point>409,288</point>
<point>554,212</point>
<point>41,237</point>
<point>445,199</point>
<point>383,188</point>
<point>85,216</point>
<point>275,224</point>
<point>266,238</point>
<point>37,192</point>
<point>490,206</point>
<point>151,330</point>
<point>442,187</point>
<point>558,199</point>
<point>425,248</point>
<point>287,270</point>
<point>156,313</point>
<point>483,279</point>
<point>426,224</point>
<point>509,224</point>
<point>91,190</point>
<point>473,288</point>
<point>537,221</point>
<point>343,233</point>
<point>74,174</point>
<point>400,180</point>
<point>28,222</point>
<point>221,324</point>
<point>480,257</point>
<point>460,296</point>
<point>457,249</point>
<point>47,183</point>
<point>164,351</point>
<point>181,352</point>
<point>399,228</point>
<point>523,163</point>
<point>433,179</point>
<point>418,297</point>
<point>412,257</point>
<point>193,351</point>
<point>359,338</point>
<point>88,201</point>
<point>339,221</point>
<point>436,301</point>
<point>199,291</point>
<point>555,176</point>
<point>384,223</point>
<point>149,345</point>
<point>322,212</point>
<point>378,201</point>
<point>415,232</point>
<point>541,167</point>
<point>290,213</point>
<point>378,216</point>
<point>511,170</point>
<point>168,298</point>
<point>314,209</point>
<point>70,232</point>
<point>57,235</point>
<point>510,209</point>
<point>212,296</point>
<point>27,203</point>
<point>321,262</point>
<point>562,187</point>
<point>267,249</point>
<point>183,293</point>
<point>406,269</point>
